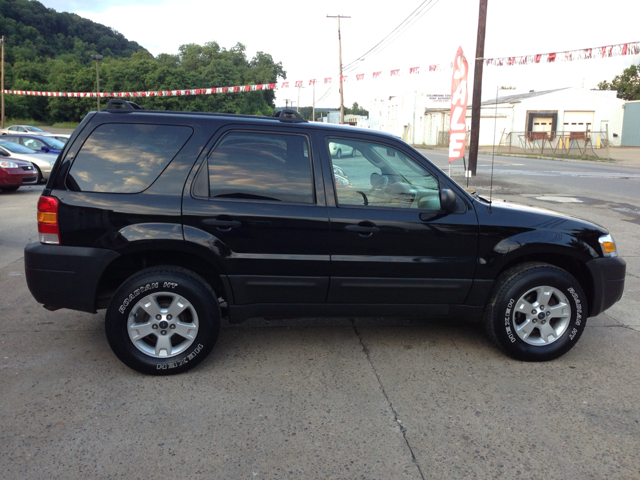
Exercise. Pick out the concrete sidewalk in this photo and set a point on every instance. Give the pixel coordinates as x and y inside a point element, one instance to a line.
<point>627,156</point>
<point>624,156</point>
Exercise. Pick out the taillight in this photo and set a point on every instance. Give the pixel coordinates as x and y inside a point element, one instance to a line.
<point>48,220</point>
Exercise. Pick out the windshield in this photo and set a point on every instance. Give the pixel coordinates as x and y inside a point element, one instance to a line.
<point>16,147</point>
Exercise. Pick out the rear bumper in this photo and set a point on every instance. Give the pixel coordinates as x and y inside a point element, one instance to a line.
<point>608,281</point>
<point>65,277</point>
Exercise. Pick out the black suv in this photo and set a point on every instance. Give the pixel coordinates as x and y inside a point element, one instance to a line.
<point>171,220</point>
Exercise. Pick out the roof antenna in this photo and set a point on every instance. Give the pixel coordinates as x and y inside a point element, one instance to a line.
<point>493,151</point>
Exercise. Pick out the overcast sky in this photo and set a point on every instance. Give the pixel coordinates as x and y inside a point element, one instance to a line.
<point>299,34</point>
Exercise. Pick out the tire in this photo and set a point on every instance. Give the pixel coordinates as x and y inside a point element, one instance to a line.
<point>339,154</point>
<point>40,177</point>
<point>10,188</point>
<point>163,307</point>
<point>536,312</point>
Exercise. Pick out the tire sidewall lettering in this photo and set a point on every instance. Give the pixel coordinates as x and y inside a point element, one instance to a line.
<point>133,295</point>
<point>180,362</point>
<point>507,320</point>
<point>578,304</point>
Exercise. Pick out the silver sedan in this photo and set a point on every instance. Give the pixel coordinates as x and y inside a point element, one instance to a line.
<point>42,161</point>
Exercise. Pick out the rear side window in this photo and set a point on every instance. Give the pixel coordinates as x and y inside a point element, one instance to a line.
<point>261,166</point>
<point>125,158</point>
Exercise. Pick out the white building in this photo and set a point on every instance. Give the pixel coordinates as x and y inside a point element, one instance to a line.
<point>424,118</point>
<point>515,118</point>
<point>404,115</point>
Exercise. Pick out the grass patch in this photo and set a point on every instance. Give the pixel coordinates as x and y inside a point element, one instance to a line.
<point>24,121</point>
<point>590,158</point>
<point>35,123</point>
<point>422,145</point>
<point>65,125</point>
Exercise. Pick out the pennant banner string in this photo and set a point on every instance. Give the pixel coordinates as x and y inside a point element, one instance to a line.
<point>608,51</point>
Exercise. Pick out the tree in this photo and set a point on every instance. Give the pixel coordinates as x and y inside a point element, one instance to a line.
<point>51,51</point>
<point>356,110</point>
<point>627,85</point>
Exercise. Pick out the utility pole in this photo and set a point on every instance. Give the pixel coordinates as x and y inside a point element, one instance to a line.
<point>340,60</point>
<point>477,90</point>
<point>97,58</point>
<point>2,84</point>
<point>313,107</point>
<point>298,104</point>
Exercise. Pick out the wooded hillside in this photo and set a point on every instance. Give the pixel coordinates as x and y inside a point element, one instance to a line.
<point>50,51</point>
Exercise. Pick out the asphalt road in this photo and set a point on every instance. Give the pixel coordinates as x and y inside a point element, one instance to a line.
<point>577,178</point>
<point>313,398</point>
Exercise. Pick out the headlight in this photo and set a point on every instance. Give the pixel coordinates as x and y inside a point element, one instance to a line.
<point>52,162</point>
<point>5,164</point>
<point>608,246</point>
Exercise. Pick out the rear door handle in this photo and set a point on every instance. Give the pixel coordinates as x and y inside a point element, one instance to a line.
<point>224,225</point>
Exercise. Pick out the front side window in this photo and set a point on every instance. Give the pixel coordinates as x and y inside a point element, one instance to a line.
<point>125,158</point>
<point>261,166</point>
<point>376,175</point>
<point>32,143</point>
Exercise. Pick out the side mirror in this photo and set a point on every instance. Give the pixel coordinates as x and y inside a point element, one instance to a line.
<point>447,200</point>
<point>44,148</point>
<point>4,154</point>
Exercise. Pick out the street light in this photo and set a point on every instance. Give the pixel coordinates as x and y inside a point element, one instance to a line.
<point>97,58</point>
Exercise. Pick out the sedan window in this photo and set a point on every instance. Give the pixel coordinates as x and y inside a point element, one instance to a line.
<point>15,147</point>
<point>32,143</point>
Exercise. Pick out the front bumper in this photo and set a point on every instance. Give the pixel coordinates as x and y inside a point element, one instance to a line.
<point>17,176</point>
<point>65,277</point>
<point>608,282</point>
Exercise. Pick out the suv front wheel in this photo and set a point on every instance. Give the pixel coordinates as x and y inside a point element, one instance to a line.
<point>536,312</point>
<point>163,320</point>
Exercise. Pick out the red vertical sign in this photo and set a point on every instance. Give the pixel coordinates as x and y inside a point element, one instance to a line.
<point>458,115</point>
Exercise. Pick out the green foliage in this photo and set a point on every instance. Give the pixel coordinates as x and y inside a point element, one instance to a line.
<point>50,51</point>
<point>34,31</point>
<point>356,110</point>
<point>627,85</point>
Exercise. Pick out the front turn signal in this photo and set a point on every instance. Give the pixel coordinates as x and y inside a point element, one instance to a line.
<point>608,246</point>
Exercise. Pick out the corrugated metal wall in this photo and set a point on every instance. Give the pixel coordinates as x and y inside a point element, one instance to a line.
<point>631,125</point>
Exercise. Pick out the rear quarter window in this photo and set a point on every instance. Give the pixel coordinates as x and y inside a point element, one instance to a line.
<point>125,158</point>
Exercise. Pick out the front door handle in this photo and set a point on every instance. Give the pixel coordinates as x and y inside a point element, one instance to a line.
<point>224,225</point>
<point>365,229</point>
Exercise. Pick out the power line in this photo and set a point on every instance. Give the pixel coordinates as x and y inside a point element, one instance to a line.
<point>416,15</point>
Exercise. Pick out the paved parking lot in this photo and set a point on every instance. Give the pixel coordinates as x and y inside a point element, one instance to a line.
<point>313,398</point>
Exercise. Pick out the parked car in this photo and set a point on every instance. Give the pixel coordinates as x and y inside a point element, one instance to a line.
<point>16,173</point>
<point>36,142</point>
<point>61,137</point>
<point>172,220</point>
<point>21,129</point>
<point>43,162</point>
<point>339,150</point>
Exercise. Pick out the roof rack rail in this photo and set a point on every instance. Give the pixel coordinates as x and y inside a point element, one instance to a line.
<point>288,115</point>
<point>117,105</point>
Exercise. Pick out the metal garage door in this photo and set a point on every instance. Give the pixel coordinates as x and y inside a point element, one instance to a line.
<point>578,121</point>
<point>542,124</point>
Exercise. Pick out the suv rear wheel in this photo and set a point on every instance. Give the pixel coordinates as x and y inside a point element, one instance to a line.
<point>536,312</point>
<point>163,320</point>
